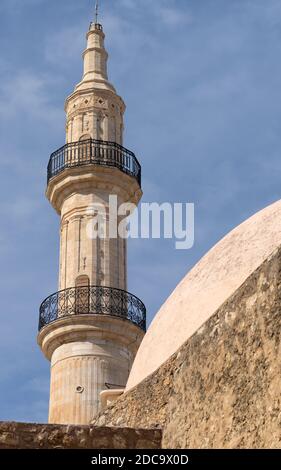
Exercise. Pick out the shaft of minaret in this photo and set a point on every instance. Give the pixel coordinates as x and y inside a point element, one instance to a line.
<point>90,330</point>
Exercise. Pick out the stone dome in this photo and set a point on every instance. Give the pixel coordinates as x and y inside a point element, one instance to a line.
<point>206,287</point>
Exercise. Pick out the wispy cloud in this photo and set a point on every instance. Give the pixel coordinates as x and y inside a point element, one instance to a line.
<point>174,17</point>
<point>169,12</point>
<point>16,5</point>
<point>65,45</point>
<point>24,95</point>
<point>18,209</point>
<point>39,384</point>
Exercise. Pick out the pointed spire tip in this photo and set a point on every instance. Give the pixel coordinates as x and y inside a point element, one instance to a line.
<point>97,11</point>
<point>95,24</point>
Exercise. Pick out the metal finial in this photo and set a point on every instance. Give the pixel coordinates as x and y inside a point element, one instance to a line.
<point>97,11</point>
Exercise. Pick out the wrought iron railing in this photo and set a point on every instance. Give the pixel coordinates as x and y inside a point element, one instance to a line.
<point>92,300</point>
<point>95,152</point>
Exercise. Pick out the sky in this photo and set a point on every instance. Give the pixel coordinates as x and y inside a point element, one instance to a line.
<point>201,80</point>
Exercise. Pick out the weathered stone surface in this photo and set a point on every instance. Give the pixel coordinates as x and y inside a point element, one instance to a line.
<point>222,388</point>
<point>50,436</point>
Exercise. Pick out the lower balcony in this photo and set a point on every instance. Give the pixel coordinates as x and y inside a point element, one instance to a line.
<point>93,300</point>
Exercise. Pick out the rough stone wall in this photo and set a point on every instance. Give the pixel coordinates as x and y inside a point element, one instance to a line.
<point>222,388</point>
<point>39,436</point>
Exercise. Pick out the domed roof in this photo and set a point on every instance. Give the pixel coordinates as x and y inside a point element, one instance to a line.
<point>206,287</point>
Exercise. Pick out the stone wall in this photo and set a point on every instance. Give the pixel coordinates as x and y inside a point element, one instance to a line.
<point>49,436</point>
<point>222,388</point>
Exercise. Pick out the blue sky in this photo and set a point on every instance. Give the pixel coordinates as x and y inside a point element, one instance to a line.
<point>201,80</point>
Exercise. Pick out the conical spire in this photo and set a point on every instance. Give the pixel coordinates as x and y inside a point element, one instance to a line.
<point>95,59</point>
<point>94,110</point>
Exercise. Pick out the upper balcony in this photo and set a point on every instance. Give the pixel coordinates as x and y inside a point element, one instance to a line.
<point>94,152</point>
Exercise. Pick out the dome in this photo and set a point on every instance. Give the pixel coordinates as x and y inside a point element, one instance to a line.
<point>206,287</point>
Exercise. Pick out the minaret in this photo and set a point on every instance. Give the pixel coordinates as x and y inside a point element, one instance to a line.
<point>92,327</point>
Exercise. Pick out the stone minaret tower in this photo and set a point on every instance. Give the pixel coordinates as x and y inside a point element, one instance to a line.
<point>91,328</point>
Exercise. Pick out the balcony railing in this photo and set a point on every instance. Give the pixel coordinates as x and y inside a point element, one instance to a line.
<point>94,152</point>
<point>93,300</point>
